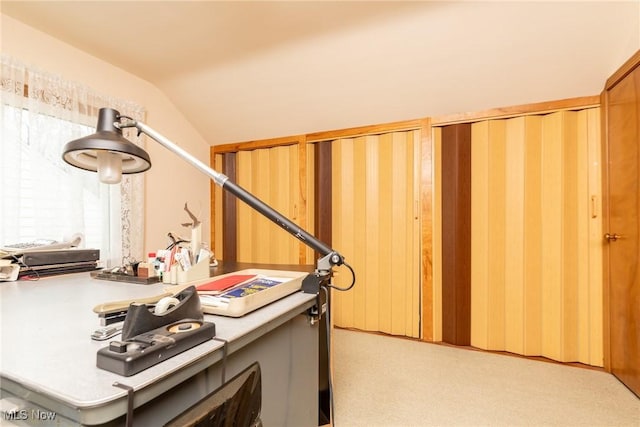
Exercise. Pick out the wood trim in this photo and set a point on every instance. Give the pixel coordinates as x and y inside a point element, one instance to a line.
<point>230,212</point>
<point>622,72</point>
<point>456,228</point>
<point>364,130</point>
<point>513,111</point>
<point>519,110</point>
<point>264,143</point>
<point>426,230</point>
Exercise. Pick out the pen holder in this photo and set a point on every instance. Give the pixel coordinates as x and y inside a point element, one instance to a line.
<point>198,271</point>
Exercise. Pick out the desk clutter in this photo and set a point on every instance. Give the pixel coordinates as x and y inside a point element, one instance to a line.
<point>157,332</point>
<point>170,266</point>
<point>232,294</point>
<point>161,326</point>
<point>183,260</point>
<point>158,327</point>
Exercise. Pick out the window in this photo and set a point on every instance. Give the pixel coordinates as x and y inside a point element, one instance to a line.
<point>42,196</point>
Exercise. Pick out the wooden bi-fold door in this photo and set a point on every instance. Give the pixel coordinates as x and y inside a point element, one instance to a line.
<point>273,174</point>
<point>531,248</point>
<point>536,236</point>
<point>360,195</point>
<point>376,225</point>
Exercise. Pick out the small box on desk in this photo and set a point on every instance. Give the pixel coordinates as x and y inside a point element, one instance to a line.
<point>259,288</point>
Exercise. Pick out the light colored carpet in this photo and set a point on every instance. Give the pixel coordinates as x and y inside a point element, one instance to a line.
<point>389,381</point>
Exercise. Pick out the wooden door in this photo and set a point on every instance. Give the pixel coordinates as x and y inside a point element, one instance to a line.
<point>375,223</point>
<point>622,255</point>
<point>536,240</point>
<point>273,174</point>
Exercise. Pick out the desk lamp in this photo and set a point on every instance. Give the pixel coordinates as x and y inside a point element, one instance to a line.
<point>110,154</point>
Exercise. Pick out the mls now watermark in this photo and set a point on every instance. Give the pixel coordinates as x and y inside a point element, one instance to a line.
<point>29,415</point>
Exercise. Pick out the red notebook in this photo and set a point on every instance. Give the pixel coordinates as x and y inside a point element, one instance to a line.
<point>223,283</point>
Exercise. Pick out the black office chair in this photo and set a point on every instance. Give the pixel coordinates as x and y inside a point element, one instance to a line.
<point>236,403</point>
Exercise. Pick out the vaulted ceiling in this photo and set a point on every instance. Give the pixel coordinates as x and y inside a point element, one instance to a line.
<point>243,70</point>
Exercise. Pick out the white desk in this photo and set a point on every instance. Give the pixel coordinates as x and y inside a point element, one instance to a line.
<point>48,360</point>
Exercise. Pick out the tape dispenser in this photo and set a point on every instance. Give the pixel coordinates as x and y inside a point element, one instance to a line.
<point>143,318</point>
<point>154,333</point>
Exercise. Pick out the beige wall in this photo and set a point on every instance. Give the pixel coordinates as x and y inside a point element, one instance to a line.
<point>170,182</point>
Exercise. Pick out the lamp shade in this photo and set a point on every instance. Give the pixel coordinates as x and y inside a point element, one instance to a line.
<point>89,152</point>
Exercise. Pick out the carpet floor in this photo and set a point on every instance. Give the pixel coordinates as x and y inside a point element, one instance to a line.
<point>388,381</point>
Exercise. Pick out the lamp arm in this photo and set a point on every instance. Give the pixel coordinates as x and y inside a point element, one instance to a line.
<point>330,257</point>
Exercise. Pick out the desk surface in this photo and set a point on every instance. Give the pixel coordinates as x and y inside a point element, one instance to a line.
<point>48,357</point>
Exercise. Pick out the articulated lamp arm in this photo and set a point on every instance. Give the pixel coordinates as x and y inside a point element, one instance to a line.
<point>330,257</point>
<point>110,154</point>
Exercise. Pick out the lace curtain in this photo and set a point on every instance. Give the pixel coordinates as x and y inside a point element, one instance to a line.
<point>44,197</point>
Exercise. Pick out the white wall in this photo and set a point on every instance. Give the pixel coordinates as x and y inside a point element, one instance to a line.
<point>171,182</point>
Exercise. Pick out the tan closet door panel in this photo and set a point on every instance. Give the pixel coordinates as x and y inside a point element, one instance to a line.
<point>552,221</point>
<point>343,312</point>
<point>534,236</point>
<point>375,225</point>
<point>271,174</point>
<point>480,282</point>
<point>514,237</point>
<point>488,223</point>
<point>532,228</point>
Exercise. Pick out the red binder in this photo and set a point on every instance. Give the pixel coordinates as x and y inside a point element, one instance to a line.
<point>224,283</point>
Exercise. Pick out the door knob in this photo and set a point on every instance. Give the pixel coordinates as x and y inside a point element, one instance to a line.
<point>612,237</point>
